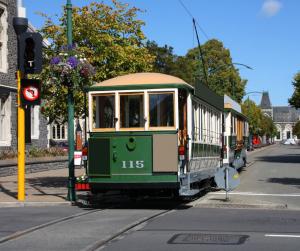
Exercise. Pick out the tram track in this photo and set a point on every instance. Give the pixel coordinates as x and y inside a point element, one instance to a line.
<point>127,227</point>
<point>126,230</point>
<point>41,226</point>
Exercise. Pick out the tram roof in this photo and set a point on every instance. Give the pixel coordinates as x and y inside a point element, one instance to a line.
<point>141,81</point>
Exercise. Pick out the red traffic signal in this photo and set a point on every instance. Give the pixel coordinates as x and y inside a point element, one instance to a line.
<point>30,92</point>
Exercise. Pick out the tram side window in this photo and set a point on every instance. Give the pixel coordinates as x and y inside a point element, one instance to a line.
<point>161,106</point>
<point>131,111</point>
<point>104,111</point>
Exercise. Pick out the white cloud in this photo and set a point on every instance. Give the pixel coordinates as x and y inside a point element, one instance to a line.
<point>271,7</point>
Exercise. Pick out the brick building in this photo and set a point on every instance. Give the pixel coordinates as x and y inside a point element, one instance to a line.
<point>36,124</point>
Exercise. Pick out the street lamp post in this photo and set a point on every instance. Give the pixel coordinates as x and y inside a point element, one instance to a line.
<point>71,180</point>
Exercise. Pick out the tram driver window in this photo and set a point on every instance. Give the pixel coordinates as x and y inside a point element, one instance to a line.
<point>104,111</point>
<point>161,107</point>
<point>131,111</point>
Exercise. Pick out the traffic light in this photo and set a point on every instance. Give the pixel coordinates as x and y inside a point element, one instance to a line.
<point>30,92</point>
<point>30,53</point>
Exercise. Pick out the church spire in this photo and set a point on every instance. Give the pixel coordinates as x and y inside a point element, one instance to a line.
<point>265,102</point>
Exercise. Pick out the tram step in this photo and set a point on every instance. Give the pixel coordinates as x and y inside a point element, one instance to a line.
<point>186,191</point>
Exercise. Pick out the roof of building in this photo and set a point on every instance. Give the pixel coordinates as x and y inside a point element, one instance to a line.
<point>265,101</point>
<point>285,114</point>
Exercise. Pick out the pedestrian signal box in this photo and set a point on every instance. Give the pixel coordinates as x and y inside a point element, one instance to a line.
<point>30,92</point>
<point>30,53</point>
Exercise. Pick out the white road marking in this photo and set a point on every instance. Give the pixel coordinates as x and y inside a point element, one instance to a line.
<point>260,194</point>
<point>282,235</point>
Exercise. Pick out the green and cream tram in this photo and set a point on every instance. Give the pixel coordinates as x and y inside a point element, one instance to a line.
<point>236,134</point>
<point>153,132</point>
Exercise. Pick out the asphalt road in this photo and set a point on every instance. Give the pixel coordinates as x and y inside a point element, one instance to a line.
<point>215,229</point>
<point>271,182</point>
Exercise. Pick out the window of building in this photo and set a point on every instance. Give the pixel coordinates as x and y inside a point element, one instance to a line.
<point>3,39</point>
<point>58,131</point>
<point>132,110</point>
<point>5,127</point>
<point>35,122</point>
<point>278,135</point>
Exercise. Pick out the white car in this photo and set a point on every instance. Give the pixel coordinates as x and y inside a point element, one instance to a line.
<point>290,142</point>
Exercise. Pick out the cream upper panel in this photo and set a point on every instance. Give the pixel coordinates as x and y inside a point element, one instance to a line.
<point>142,78</point>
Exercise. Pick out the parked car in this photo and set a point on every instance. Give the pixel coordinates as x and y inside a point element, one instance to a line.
<point>290,142</point>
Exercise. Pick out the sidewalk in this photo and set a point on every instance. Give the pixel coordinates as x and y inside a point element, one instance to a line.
<point>41,188</point>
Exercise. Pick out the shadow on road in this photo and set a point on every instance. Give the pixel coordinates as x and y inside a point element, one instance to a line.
<point>288,158</point>
<point>285,181</point>
<point>50,182</point>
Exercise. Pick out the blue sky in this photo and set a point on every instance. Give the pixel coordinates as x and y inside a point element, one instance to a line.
<point>263,34</point>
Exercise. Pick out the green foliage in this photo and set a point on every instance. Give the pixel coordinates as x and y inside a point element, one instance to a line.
<point>295,99</point>
<point>267,127</point>
<point>164,58</point>
<point>296,129</point>
<point>34,153</point>
<point>259,123</point>
<point>46,152</point>
<point>223,77</point>
<point>254,115</point>
<point>111,39</point>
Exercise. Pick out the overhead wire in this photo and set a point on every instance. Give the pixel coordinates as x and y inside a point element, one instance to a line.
<point>191,15</point>
<point>201,56</point>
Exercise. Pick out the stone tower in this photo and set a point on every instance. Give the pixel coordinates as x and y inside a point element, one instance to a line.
<point>266,105</point>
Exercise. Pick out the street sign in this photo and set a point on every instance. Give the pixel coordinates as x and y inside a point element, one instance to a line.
<point>30,92</point>
<point>233,178</point>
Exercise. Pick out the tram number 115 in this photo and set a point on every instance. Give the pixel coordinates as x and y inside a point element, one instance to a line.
<point>132,164</point>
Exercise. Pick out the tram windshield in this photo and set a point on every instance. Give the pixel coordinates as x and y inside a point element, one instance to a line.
<point>131,110</point>
<point>104,112</point>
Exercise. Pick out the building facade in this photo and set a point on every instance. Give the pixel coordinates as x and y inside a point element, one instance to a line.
<point>36,125</point>
<point>284,117</point>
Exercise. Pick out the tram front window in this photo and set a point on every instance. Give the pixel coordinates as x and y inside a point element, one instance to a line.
<point>131,111</point>
<point>104,111</point>
<point>161,109</point>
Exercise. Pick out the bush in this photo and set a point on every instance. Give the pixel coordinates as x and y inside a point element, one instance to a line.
<point>34,153</point>
<point>8,154</point>
<point>46,152</point>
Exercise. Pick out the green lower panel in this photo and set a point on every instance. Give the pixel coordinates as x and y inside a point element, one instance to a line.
<point>134,179</point>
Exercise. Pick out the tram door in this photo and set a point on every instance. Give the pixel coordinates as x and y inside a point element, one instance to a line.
<point>182,133</point>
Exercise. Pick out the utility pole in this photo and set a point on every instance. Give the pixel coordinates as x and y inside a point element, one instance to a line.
<point>20,24</point>
<point>71,180</point>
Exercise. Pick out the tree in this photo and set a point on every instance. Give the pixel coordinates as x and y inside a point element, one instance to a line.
<point>254,115</point>
<point>259,123</point>
<point>109,37</point>
<point>268,127</point>
<point>295,99</point>
<point>296,129</point>
<point>223,77</point>
<point>164,57</point>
